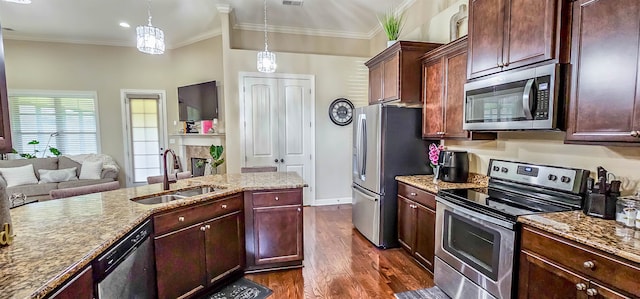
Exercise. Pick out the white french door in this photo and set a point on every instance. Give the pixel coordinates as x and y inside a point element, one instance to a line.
<point>278,125</point>
<point>146,134</point>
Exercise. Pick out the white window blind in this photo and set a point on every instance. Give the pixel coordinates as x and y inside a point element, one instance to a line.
<point>38,115</point>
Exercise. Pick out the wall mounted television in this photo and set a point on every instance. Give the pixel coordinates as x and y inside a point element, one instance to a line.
<point>198,101</point>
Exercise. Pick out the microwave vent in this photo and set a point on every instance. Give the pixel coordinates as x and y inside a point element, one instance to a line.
<point>292,2</point>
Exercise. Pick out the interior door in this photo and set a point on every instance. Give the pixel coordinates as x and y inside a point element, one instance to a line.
<point>261,122</point>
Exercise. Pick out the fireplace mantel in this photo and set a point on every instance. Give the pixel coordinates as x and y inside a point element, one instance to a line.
<point>179,142</point>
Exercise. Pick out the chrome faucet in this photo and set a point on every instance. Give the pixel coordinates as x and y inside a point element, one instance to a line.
<point>166,181</point>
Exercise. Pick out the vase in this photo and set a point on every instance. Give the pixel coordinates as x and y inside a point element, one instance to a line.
<point>391,42</point>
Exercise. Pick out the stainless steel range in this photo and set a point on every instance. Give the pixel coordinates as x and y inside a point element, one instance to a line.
<point>477,236</point>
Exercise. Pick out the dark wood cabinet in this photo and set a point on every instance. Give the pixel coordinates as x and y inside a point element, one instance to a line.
<point>507,34</point>
<point>274,234</point>
<point>605,95</point>
<point>79,287</point>
<point>5,129</point>
<point>395,72</point>
<point>554,267</point>
<point>416,223</point>
<point>444,75</point>
<point>190,259</point>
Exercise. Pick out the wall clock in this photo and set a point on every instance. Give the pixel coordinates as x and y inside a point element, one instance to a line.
<point>341,111</point>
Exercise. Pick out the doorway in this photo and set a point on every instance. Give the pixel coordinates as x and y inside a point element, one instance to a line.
<point>145,132</point>
<point>278,124</point>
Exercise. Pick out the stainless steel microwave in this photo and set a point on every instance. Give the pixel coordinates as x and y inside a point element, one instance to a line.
<point>528,99</point>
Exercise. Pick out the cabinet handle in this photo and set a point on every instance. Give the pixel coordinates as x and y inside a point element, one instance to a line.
<point>506,64</point>
<point>589,264</point>
<point>277,198</point>
<point>181,219</point>
<point>634,134</point>
<point>581,286</point>
<point>224,206</point>
<point>592,292</point>
<point>202,228</point>
<point>299,209</point>
<point>500,64</point>
<point>207,226</point>
<point>413,194</point>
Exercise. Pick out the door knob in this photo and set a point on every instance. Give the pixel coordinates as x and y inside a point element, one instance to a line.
<point>281,160</point>
<point>276,160</point>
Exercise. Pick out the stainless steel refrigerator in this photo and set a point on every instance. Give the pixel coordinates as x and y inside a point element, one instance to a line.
<point>387,142</point>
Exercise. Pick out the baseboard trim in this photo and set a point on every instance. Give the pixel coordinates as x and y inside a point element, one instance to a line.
<point>333,201</point>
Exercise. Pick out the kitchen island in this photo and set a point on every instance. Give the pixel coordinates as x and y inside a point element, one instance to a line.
<point>56,239</point>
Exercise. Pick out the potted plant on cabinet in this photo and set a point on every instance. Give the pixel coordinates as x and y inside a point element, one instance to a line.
<point>392,24</point>
<point>216,160</point>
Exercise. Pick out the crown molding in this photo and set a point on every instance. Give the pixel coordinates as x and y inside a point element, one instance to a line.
<point>224,8</point>
<point>197,38</point>
<point>302,31</point>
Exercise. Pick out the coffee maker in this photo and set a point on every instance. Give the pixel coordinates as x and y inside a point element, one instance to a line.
<point>453,166</point>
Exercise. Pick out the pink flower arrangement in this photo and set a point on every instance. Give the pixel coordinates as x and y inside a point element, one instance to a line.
<point>434,153</point>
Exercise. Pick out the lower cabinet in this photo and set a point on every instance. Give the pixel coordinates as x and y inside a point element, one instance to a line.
<point>274,233</point>
<point>192,258</point>
<point>417,223</point>
<point>553,267</point>
<point>79,287</point>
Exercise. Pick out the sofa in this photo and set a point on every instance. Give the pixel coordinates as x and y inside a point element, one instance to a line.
<point>56,173</point>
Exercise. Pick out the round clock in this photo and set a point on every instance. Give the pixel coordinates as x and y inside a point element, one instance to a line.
<point>341,111</point>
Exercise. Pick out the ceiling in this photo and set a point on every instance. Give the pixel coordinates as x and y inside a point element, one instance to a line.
<point>186,21</point>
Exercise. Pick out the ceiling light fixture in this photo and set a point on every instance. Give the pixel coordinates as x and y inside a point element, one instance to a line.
<point>150,39</point>
<point>19,1</point>
<point>124,25</point>
<point>266,59</point>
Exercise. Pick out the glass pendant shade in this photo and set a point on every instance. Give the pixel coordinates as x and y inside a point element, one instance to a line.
<point>266,62</point>
<point>150,39</point>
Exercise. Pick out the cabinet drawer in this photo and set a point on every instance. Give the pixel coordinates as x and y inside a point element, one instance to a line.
<point>277,198</point>
<point>605,268</point>
<point>184,217</point>
<point>418,195</point>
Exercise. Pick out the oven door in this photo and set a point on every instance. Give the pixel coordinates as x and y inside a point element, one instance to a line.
<point>478,247</point>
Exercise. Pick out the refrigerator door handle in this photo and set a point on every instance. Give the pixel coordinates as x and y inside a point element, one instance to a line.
<point>367,194</point>
<point>363,153</point>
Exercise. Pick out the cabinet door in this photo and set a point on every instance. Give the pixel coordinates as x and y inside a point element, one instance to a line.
<point>375,83</point>
<point>530,32</point>
<point>603,292</point>
<point>425,235</point>
<point>224,245</point>
<point>432,111</point>
<point>486,22</point>
<point>180,262</point>
<point>5,130</point>
<point>277,234</point>
<point>80,287</point>
<point>456,67</point>
<point>406,224</point>
<point>391,78</point>
<point>539,278</point>
<point>605,57</point>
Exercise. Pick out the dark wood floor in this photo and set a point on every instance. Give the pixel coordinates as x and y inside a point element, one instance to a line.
<point>340,263</point>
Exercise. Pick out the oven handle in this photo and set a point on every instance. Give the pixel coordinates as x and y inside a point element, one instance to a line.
<point>467,213</point>
<point>527,99</point>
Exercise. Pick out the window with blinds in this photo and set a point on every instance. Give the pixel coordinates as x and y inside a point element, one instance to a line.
<point>39,116</point>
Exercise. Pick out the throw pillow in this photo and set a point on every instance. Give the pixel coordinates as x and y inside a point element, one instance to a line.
<point>57,176</point>
<point>16,176</point>
<point>91,170</point>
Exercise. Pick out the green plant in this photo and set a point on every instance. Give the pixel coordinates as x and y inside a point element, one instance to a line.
<point>392,23</point>
<point>216,156</point>
<point>34,142</point>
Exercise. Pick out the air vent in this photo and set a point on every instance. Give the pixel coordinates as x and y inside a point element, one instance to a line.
<point>292,2</point>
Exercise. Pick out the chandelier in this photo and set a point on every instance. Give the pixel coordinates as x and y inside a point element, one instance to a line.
<point>266,59</point>
<point>150,39</point>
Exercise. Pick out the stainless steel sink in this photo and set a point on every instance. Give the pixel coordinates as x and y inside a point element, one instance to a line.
<point>180,194</point>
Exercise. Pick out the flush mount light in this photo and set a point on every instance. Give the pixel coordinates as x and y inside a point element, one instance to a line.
<point>19,1</point>
<point>124,25</point>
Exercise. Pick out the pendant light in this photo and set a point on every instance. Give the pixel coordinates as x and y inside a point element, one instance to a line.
<point>150,39</point>
<point>266,59</point>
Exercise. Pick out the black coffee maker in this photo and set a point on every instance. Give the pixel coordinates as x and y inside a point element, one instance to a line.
<point>453,166</point>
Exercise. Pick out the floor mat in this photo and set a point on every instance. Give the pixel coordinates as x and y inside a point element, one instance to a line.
<point>430,293</point>
<point>241,289</point>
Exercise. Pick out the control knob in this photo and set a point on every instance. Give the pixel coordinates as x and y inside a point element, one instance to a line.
<point>552,177</point>
<point>496,168</point>
<point>505,170</point>
<point>565,179</point>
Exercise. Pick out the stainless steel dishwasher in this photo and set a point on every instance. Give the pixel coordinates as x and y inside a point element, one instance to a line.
<point>127,270</point>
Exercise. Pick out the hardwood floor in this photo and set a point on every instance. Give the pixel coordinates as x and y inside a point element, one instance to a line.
<point>341,263</point>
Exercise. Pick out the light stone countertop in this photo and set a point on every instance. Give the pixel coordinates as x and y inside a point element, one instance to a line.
<point>57,238</point>
<point>425,182</point>
<point>606,235</point>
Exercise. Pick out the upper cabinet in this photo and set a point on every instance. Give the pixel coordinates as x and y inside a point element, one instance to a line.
<point>395,72</point>
<point>507,34</point>
<point>605,94</point>
<point>5,130</point>
<point>444,75</point>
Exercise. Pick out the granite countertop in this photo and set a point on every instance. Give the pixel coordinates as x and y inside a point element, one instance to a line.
<point>55,239</point>
<point>606,235</point>
<point>425,182</point>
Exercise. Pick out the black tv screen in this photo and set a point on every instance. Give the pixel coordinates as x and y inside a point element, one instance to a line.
<point>198,101</point>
